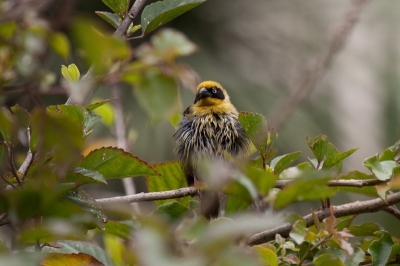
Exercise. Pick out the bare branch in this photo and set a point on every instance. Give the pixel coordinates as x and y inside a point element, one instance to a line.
<point>357,207</point>
<point>338,183</point>
<point>170,194</point>
<point>393,210</point>
<point>308,78</point>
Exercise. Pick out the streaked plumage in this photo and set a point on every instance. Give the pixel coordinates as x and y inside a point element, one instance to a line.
<point>208,129</point>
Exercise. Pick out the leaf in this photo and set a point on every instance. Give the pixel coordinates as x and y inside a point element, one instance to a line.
<point>80,259</point>
<point>299,189</point>
<point>355,259</point>
<point>299,231</point>
<point>106,112</point>
<point>60,44</point>
<point>78,247</point>
<point>174,210</point>
<point>357,175</point>
<point>21,116</point>
<point>239,197</point>
<point>389,153</point>
<point>157,94</point>
<point>366,229</point>
<point>111,18</point>
<point>263,180</point>
<point>282,162</point>
<point>337,158</point>
<point>267,256</point>
<point>3,156</point>
<point>71,73</point>
<point>97,104</point>
<point>118,6</point>
<point>159,13</point>
<point>171,178</point>
<point>395,251</point>
<point>85,176</point>
<point>7,127</point>
<point>116,163</point>
<point>318,146</point>
<point>256,129</point>
<point>380,249</point>
<point>327,260</point>
<point>382,169</point>
<point>122,229</point>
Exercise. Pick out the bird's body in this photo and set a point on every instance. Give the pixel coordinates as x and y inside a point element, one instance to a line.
<point>208,129</point>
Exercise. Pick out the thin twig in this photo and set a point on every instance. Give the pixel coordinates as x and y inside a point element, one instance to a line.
<point>357,207</point>
<point>170,194</point>
<point>13,169</point>
<point>308,78</point>
<point>337,183</point>
<point>393,211</point>
<point>29,158</point>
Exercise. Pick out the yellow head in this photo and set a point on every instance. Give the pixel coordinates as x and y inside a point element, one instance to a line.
<point>211,97</point>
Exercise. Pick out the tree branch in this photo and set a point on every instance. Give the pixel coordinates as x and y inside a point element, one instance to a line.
<point>357,207</point>
<point>337,183</point>
<point>309,77</point>
<point>170,194</point>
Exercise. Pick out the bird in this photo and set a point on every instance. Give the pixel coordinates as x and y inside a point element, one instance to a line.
<point>208,129</point>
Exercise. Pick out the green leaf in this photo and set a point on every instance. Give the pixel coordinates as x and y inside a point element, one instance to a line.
<point>389,153</point>
<point>159,13</point>
<point>77,247</point>
<point>71,73</point>
<point>337,158</point>
<point>299,231</point>
<point>263,180</point>
<point>366,229</point>
<point>327,260</point>
<point>118,6</point>
<point>344,222</point>
<point>239,197</point>
<point>299,189</point>
<point>122,229</point>
<point>382,169</point>
<point>357,175</point>
<point>85,176</point>
<point>395,251</point>
<point>267,256</point>
<point>282,162</point>
<point>60,44</point>
<point>356,258</point>
<point>3,156</point>
<point>256,129</point>
<point>157,94</point>
<point>171,178</point>
<point>318,146</point>
<point>7,127</point>
<point>97,104</point>
<point>116,163</point>
<point>111,18</point>
<point>380,249</point>
<point>174,210</point>
<point>21,116</point>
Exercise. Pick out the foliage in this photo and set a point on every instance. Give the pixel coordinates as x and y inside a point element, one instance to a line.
<point>55,222</point>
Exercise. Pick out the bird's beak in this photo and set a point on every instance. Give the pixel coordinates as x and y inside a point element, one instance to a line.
<point>204,93</point>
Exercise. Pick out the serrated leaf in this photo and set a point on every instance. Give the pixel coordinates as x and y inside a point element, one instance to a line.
<point>282,162</point>
<point>337,158</point>
<point>256,129</point>
<point>366,229</point>
<point>111,18</point>
<point>357,175</point>
<point>95,105</point>
<point>159,13</point>
<point>116,163</point>
<point>380,249</point>
<point>71,73</point>
<point>382,169</point>
<point>85,176</point>
<point>60,44</point>
<point>174,210</point>
<point>299,189</point>
<point>171,178</point>
<point>77,247</point>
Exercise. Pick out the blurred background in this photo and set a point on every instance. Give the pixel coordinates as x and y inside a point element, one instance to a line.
<point>258,49</point>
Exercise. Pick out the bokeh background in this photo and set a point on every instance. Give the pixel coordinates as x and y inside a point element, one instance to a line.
<point>257,49</point>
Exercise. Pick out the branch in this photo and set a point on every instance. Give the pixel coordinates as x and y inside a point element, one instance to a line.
<point>170,194</point>
<point>393,211</point>
<point>307,80</point>
<point>337,183</point>
<point>357,207</point>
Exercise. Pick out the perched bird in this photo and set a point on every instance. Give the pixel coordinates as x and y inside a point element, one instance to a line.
<point>208,129</point>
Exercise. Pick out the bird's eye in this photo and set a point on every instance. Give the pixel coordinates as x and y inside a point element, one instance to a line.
<point>214,90</point>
